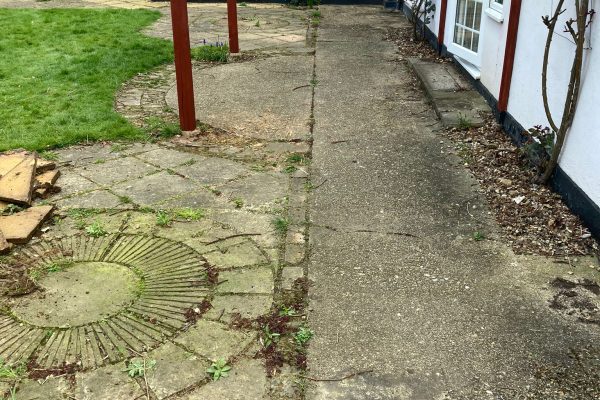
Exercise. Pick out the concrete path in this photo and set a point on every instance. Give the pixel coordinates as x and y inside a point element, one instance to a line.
<point>402,296</point>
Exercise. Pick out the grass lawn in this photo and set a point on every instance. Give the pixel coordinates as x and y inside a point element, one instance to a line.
<point>60,70</point>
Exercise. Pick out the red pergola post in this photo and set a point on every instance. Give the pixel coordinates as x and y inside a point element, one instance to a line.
<point>183,65</point>
<point>234,46</point>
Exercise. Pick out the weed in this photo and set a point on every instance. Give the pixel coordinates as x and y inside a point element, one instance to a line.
<point>287,311</point>
<point>315,22</point>
<point>281,224</point>
<point>96,229</point>
<point>100,161</point>
<point>125,199</point>
<point>295,158</point>
<point>12,209</point>
<point>218,369</point>
<point>309,186</point>
<point>243,4</point>
<point>158,127</point>
<point>464,122</point>
<point>139,367</point>
<point>316,14</point>
<point>190,214</point>
<point>314,82</point>
<point>478,236</point>
<point>58,266</point>
<point>13,390</point>
<point>214,191</point>
<point>268,338</point>
<point>290,169</point>
<point>49,155</point>
<point>257,24</point>
<point>8,372</point>
<point>117,148</point>
<point>303,335</point>
<point>163,218</point>
<point>258,168</point>
<point>211,53</point>
<point>238,202</point>
<point>189,162</point>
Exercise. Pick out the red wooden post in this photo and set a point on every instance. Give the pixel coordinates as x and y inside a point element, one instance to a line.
<point>442,26</point>
<point>183,65</point>
<point>234,46</point>
<point>509,54</point>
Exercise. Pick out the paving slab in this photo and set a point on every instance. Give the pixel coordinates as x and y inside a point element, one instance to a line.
<point>111,382</point>
<point>455,101</point>
<point>151,189</point>
<point>263,95</point>
<point>97,199</point>
<point>46,179</point>
<point>20,227</point>
<point>259,190</point>
<point>246,381</point>
<point>16,186</point>
<point>247,306</point>
<point>213,340</point>
<point>54,388</point>
<point>254,281</point>
<point>176,369</point>
<point>105,172</point>
<point>169,158</point>
<point>8,161</point>
<point>212,171</point>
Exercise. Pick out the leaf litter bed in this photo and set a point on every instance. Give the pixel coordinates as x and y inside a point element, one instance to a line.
<point>533,218</point>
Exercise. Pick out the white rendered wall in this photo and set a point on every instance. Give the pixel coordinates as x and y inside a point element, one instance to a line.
<point>581,154</point>
<point>491,45</point>
<point>435,17</point>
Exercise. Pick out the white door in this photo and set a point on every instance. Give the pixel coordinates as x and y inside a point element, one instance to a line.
<point>467,30</point>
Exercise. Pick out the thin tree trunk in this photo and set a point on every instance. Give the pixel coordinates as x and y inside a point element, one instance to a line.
<point>573,91</point>
<point>551,28</point>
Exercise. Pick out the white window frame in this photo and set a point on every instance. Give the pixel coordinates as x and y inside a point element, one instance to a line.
<point>467,55</point>
<point>494,5</point>
<point>495,11</point>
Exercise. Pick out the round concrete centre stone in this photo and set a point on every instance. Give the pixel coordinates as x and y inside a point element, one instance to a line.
<point>101,295</point>
<point>80,294</point>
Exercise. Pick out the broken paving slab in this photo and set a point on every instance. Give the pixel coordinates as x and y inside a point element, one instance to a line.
<point>16,186</point>
<point>455,101</point>
<point>20,227</point>
<point>44,183</point>
<point>47,179</point>
<point>44,166</point>
<point>10,160</point>
<point>4,245</point>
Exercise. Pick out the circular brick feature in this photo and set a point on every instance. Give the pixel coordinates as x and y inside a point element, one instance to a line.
<point>103,299</point>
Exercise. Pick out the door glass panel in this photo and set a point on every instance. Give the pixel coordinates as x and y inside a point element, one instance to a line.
<point>468,24</point>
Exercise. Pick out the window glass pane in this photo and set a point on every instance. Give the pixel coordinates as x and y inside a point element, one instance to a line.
<point>475,46</point>
<point>477,22</point>
<point>468,23</point>
<point>470,13</point>
<point>468,43</point>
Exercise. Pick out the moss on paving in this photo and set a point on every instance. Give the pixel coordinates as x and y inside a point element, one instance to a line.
<point>60,69</point>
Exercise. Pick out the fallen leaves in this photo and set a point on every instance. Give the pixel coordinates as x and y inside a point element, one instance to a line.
<point>534,219</point>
